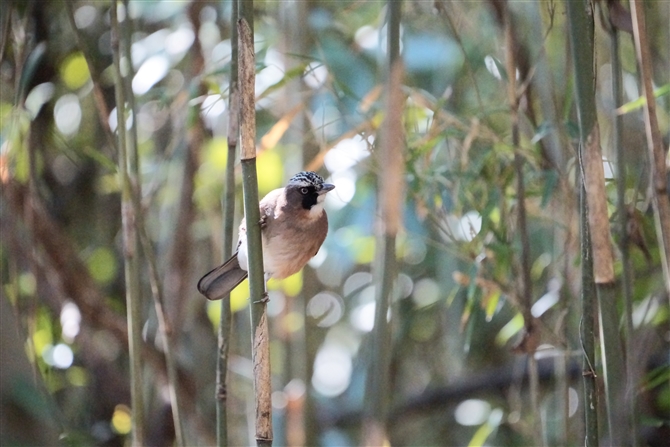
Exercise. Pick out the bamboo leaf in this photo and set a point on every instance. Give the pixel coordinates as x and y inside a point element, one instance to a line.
<point>642,101</point>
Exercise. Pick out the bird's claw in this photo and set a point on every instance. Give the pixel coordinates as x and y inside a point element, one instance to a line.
<point>264,299</point>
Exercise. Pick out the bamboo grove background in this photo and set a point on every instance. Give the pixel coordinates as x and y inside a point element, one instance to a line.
<point>496,270</point>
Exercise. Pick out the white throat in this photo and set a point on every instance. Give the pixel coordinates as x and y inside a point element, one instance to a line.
<point>316,210</point>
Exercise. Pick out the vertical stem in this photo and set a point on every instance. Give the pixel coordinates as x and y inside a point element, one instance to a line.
<point>657,158</point>
<point>390,194</point>
<point>259,323</point>
<point>581,22</point>
<point>225,323</point>
<point>624,242</point>
<point>525,285</point>
<point>587,328</point>
<point>136,185</point>
<point>131,265</point>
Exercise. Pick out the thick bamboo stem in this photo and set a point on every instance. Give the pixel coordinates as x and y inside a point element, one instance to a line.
<point>581,28</point>
<point>259,322</point>
<point>587,333</point>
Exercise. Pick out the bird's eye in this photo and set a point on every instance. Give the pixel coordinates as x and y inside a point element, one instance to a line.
<point>304,190</point>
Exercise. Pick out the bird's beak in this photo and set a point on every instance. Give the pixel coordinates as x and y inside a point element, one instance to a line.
<point>325,187</point>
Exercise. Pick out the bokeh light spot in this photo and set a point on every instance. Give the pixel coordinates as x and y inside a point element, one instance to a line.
<point>326,307</point>
<point>74,71</point>
<point>70,319</point>
<point>121,421</point>
<point>426,292</point>
<point>423,327</point>
<point>102,265</point>
<point>270,171</point>
<point>363,317</point>
<point>364,250</point>
<point>332,370</point>
<point>59,356</point>
<point>67,114</point>
<point>472,412</point>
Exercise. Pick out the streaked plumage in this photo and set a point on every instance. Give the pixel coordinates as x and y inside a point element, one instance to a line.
<point>293,227</point>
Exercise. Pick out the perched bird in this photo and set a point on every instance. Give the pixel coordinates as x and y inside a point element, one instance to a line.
<point>293,227</point>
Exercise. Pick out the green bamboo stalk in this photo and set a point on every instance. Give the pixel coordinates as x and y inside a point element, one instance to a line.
<point>522,229</point>
<point>657,157</point>
<point>259,320</point>
<point>154,280</point>
<point>581,27</point>
<point>624,240</point>
<point>390,195</point>
<point>587,333</point>
<point>133,155</point>
<point>228,204</point>
<point>130,255</point>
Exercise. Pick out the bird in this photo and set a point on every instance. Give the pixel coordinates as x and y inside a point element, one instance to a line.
<point>293,228</point>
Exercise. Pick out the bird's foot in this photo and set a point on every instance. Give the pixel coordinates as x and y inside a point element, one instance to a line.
<point>264,299</point>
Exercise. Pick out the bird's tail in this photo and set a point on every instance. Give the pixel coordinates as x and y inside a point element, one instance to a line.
<point>222,280</point>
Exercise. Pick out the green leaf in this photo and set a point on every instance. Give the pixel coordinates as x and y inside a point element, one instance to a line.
<point>510,329</point>
<point>491,303</point>
<point>642,100</point>
<point>481,435</point>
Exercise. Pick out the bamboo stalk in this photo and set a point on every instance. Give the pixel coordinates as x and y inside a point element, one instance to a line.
<point>225,322</point>
<point>522,229</point>
<point>130,255</point>
<point>378,387</point>
<point>624,240</point>
<point>581,23</point>
<point>136,184</point>
<point>587,333</point>
<point>657,158</point>
<point>259,322</point>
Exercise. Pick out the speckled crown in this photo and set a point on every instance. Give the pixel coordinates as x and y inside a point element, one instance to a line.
<point>306,178</point>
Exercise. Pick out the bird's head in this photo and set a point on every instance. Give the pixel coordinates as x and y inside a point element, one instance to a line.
<point>307,189</point>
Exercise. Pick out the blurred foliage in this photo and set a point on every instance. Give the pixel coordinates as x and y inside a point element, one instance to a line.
<point>456,317</point>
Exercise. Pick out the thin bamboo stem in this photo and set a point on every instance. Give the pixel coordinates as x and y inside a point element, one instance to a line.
<point>657,157</point>
<point>522,230</point>
<point>624,240</point>
<point>130,255</point>
<point>136,184</point>
<point>228,204</point>
<point>259,322</point>
<point>390,194</point>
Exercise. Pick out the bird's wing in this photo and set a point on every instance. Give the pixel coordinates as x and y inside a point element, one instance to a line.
<point>222,280</point>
